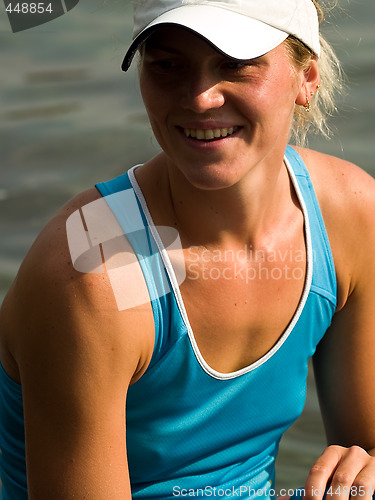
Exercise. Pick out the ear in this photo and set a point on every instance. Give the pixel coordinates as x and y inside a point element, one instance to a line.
<point>310,81</point>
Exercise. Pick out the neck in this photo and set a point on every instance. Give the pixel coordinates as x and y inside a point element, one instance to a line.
<point>243,213</point>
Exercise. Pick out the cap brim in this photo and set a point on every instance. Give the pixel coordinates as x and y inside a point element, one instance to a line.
<point>233,34</point>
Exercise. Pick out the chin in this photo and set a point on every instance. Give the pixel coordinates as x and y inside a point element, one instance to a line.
<point>212,177</point>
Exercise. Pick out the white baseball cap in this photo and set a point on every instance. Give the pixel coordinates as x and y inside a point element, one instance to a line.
<point>240,29</point>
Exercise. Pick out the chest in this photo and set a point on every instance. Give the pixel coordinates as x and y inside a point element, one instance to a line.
<point>240,302</point>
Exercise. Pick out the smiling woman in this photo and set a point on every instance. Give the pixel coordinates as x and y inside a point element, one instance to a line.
<point>234,255</point>
<point>187,85</point>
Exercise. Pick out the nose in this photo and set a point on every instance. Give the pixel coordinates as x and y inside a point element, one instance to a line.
<point>202,91</point>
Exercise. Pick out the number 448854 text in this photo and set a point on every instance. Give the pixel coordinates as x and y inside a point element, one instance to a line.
<point>349,490</point>
<point>29,8</point>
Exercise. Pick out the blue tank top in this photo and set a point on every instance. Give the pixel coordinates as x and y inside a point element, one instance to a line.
<point>193,431</point>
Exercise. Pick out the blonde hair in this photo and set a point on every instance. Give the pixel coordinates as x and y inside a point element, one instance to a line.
<point>331,82</point>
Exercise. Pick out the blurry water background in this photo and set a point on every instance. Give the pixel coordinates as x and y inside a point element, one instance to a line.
<point>69,118</point>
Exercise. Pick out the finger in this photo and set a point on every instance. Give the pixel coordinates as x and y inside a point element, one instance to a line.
<point>352,472</point>
<point>363,487</point>
<point>322,472</point>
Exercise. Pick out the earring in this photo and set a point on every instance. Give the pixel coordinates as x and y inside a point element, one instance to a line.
<point>307,105</point>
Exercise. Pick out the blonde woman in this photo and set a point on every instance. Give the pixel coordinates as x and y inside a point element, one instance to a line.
<point>253,257</point>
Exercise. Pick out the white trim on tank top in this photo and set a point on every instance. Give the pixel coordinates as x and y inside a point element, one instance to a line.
<point>171,274</point>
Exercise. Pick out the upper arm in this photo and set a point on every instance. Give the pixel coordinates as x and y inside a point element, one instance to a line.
<point>344,362</point>
<point>345,373</point>
<point>76,355</point>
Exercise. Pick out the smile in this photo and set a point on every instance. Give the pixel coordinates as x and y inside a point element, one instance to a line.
<point>209,134</point>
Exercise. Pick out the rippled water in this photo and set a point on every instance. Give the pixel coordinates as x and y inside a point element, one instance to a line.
<point>69,118</point>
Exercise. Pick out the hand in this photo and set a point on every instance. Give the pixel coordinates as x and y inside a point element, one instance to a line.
<point>343,473</point>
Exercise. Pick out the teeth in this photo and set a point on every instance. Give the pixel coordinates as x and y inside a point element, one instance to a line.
<point>209,134</point>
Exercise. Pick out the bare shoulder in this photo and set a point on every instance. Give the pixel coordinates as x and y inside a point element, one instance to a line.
<point>338,180</point>
<point>75,353</point>
<point>346,195</point>
<point>62,296</point>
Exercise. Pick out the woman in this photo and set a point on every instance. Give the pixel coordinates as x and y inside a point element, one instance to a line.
<point>269,245</point>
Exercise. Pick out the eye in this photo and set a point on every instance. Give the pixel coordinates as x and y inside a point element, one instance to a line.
<point>235,64</point>
<point>164,64</point>
<point>238,66</point>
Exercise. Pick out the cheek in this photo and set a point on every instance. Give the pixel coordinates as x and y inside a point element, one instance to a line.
<point>148,96</point>
<point>273,92</point>
<point>157,111</point>
<point>282,80</point>
<point>153,104</point>
<point>281,94</point>
<point>156,99</point>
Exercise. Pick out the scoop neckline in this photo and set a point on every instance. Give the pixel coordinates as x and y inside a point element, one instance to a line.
<point>180,302</point>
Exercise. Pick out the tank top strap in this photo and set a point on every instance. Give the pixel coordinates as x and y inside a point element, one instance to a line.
<point>126,207</point>
<point>324,275</point>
